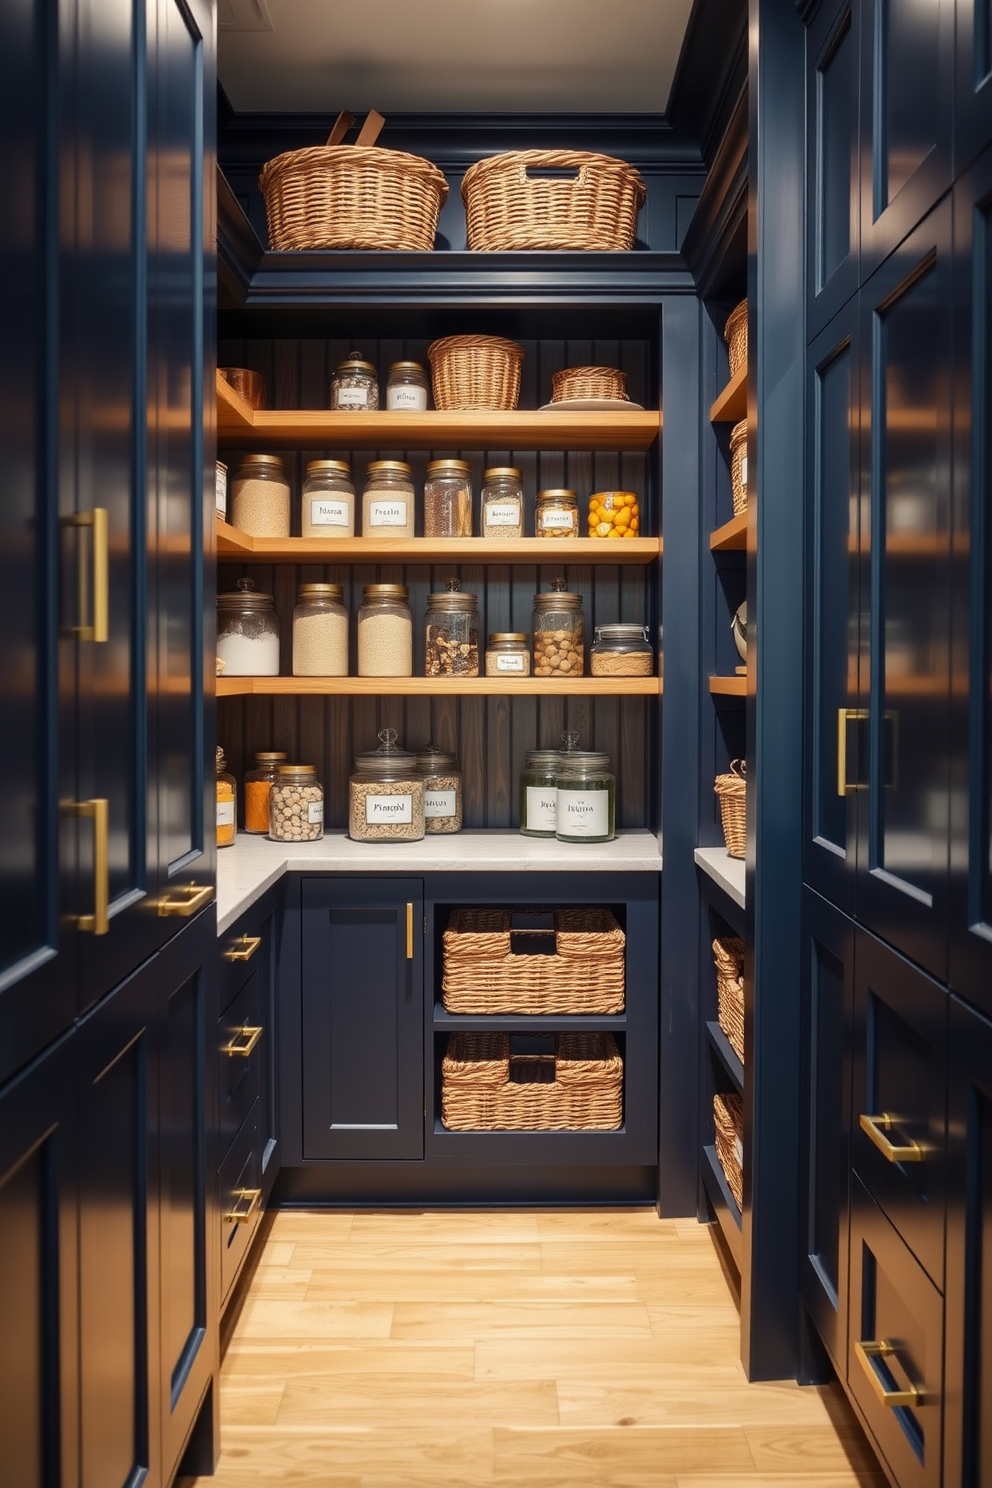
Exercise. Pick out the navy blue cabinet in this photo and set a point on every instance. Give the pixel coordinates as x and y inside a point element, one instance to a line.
<point>833,169</point>
<point>972,81</point>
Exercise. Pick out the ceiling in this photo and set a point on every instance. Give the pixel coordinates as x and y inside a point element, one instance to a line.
<point>441,56</point>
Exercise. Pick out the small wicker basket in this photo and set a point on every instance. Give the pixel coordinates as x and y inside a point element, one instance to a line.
<point>577,1088</point>
<point>735,335</point>
<point>585,201</point>
<point>728,1126</point>
<point>583,973</point>
<point>589,382</point>
<point>475,372</point>
<point>738,466</point>
<point>728,958</point>
<point>730,790</point>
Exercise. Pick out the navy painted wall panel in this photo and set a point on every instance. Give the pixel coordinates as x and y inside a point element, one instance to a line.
<point>833,47</point>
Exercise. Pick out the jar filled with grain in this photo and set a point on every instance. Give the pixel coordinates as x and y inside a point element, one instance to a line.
<point>296,805</point>
<point>502,502</point>
<point>227,803</point>
<point>508,654</point>
<point>260,496</point>
<point>354,386</point>
<point>406,388</point>
<point>387,501</point>
<point>320,632</point>
<point>385,632</point>
<point>448,499</point>
<point>621,650</point>
<point>248,632</point>
<point>539,793</point>
<point>559,633</point>
<point>452,638</point>
<point>585,807</point>
<point>556,514</point>
<point>386,795</point>
<point>328,503</point>
<point>259,780</point>
<point>442,790</point>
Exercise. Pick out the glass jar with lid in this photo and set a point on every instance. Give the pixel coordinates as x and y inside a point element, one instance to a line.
<point>227,803</point>
<point>559,633</point>
<point>442,790</point>
<point>247,632</point>
<point>621,650</point>
<point>328,502</point>
<point>296,805</point>
<point>355,386</point>
<point>260,496</point>
<point>539,793</point>
<point>448,499</point>
<point>320,632</point>
<point>387,501</point>
<point>386,795</point>
<point>585,809</point>
<point>385,632</point>
<point>452,638</point>
<point>406,389</point>
<point>258,782</point>
<point>556,514</point>
<point>508,654</point>
<point>502,502</point>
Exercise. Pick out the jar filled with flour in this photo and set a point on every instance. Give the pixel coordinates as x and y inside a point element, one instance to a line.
<point>247,632</point>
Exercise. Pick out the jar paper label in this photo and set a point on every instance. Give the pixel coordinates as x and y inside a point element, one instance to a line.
<point>510,664</point>
<point>744,471</point>
<point>406,397</point>
<point>439,803</point>
<point>324,513</point>
<point>584,813</point>
<point>222,492</point>
<point>315,811</point>
<point>380,809</point>
<point>557,520</point>
<point>542,805</point>
<point>387,514</point>
<point>502,514</point>
<point>225,813</point>
<point>355,397</point>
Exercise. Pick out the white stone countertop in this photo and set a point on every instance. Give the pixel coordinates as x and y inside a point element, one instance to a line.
<point>253,864</point>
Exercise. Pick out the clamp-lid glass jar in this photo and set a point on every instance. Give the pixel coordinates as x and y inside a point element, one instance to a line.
<point>442,790</point>
<point>502,502</point>
<point>227,803</point>
<point>386,795</point>
<point>258,782</point>
<point>320,632</point>
<point>556,514</point>
<point>328,502</point>
<point>248,632</point>
<point>508,654</point>
<point>539,793</point>
<point>385,632</point>
<point>559,633</point>
<point>621,650</point>
<point>406,389</point>
<point>355,386</point>
<point>452,634</point>
<point>448,499</point>
<point>260,496</point>
<point>296,805</point>
<point>585,809</point>
<point>387,501</point>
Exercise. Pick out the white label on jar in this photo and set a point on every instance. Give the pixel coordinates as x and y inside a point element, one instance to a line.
<point>353,397</point>
<point>388,809</point>
<point>510,663</point>
<point>439,803</point>
<point>744,471</point>
<point>324,513</point>
<point>556,520</point>
<point>542,806</point>
<point>225,813</point>
<point>221,490</point>
<point>502,514</point>
<point>387,514</point>
<point>584,813</point>
<point>406,397</point>
<point>315,811</point>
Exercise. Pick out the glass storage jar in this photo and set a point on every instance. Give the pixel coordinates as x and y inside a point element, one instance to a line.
<point>386,795</point>
<point>452,634</point>
<point>247,632</point>
<point>354,385</point>
<point>442,790</point>
<point>221,490</point>
<point>621,650</point>
<point>502,502</point>
<point>387,501</point>
<point>585,808</point>
<point>614,514</point>
<point>508,654</point>
<point>406,388</point>
<point>556,514</point>
<point>260,496</point>
<point>320,632</point>
<point>296,805</point>
<point>539,792</point>
<point>327,508</point>
<point>559,633</point>
<point>227,803</point>
<point>258,782</point>
<point>385,632</point>
<point>448,499</point>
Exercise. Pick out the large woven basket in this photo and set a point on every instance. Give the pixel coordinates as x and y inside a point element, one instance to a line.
<point>738,466</point>
<point>488,969</point>
<point>728,958</point>
<point>589,382</point>
<point>730,790</point>
<point>577,1088</point>
<point>552,199</point>
<point>475,372</point>
<point>728,1125</point>
<point>735,335</point>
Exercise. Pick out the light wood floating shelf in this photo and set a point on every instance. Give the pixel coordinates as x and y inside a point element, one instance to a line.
<point>515,429</point>
<point>731,537</point>
<point>438,687</point>
<point>731,406</point>
<point>728,686</point>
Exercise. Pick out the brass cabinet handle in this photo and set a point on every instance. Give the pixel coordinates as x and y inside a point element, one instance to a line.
<point>844,716</point>
<point>243,948</point>
<point>869,1350</point>
<point>875,1128</point>
<point>186,901</point>
<point>97,923</point>
<point>97,606</point>
<point>409,932</point>
<point>251,1198</point>
<point>250,1036</point>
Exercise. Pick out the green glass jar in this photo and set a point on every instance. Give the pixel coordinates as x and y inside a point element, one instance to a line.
<point>585,808</point>
<point>539,792</point>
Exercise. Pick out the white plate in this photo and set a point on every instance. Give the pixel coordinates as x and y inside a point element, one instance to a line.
<point>593,405</point>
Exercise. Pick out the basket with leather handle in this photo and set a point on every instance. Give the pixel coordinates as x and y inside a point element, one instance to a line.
<point>552,199</point>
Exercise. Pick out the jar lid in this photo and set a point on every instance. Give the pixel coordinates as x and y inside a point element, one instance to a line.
<point>320,591</point>
<point>269,756</point>
<point>297,769</point>
<point>508,637</point>
<point>405,367</point>
<point>261,462</point>
<point>498,472</point>
<point>622,631</point>
<point>431,761</point>
<point>355,363</point>
<point>557,493</point>
<point>448,467</point>
<point>388,467</point>
<point>245,598</point>
<point>221,761</point>
<point>385,591</point>
<point>450,599</point>
<point>557,598</point>
<point>542,759</point>
<point>328,467</point>
<point>388,759</point>
<point>582,762</point>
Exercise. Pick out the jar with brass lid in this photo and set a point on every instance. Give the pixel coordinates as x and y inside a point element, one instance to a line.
<point>260,496</point>
<point>296,805</point>
<point>385,632</point>
<point>258,782</point>
<point>387,501</point>
<point>452,638</point>
<point>557,514</point>
<point>355,387</point>
<point>508,654</point>
<point>320,632</point>
<point>328,502</point>
<point>559,633</point>
<point>502,502</point>
<point>406,388</point>
<point>448,499</point>
<point>227,803</point>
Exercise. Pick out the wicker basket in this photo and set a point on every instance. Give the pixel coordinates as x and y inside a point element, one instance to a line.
<point>728,1124</point>
<point>594,206</point>
<point>483,973</point>
<point>577,1088</point>
<point>738,466</point>
<point>589,382</point>
<point>728,958</point>
<point>475,372</point>
<point>735,335</point>
<point>730,790</point>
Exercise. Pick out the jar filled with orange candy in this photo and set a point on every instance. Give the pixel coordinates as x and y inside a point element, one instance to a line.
<point>614,514</point>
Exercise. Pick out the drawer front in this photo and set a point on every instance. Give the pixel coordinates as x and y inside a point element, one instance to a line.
<point>241,954</point>
<point>898,1122</point>
<point>240,1180</point>
<point>241,1048</point>
<point>895,1351</point>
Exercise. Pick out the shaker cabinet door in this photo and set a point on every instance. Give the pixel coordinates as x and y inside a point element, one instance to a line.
<point>833,171</point>
<point>972,81</point>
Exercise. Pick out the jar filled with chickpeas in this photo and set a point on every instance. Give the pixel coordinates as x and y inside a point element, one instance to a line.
<point>559,633</point>
<point>296,805</point>
<point>614,514</point>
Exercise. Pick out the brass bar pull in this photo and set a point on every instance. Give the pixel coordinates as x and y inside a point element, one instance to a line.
<point>409,932</point>
<point>250,1198</point>
<point>869,1350</point>
<point>97,923</point>
<point>250,1036</point>
<point>186,901</point>
<point>243,948</point>
<point>875,1128</point>
<point>844,717</point>
<point>96,605</point>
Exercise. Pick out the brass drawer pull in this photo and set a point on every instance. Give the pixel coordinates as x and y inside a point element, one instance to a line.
<point>186,901</point>
<point>243,948</point>
<point>844,716</point>
<point>875,1127</point>
<point>251,1198</point>
<point>893,1399</point>
<point>250,1036</point>
<point>409,932</point>
<point>95,604</point>
<point>97,923</point>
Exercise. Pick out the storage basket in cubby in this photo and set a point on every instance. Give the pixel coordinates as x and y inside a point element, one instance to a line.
<point>738,466</point>
<point>495,962</point>
<point>564,199</point>
<point>486,1087</point>
<point>475,372</point>
<point>728,958</point>
<point>735,335</point>
<point>728,1125</point>
<point>589,382</point>
<point>730,790</point>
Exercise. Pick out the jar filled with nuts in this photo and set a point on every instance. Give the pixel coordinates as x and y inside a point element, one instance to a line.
<point>621,650</point>
<point>557,514</point>
<point>385,632</point>
<point>559,633</point>
<point>448,499</point>
<point>502,502</point>
<point>508,654</point>
<point>328,506</point>
<point>442,790</point>
<point>296,805</point>
<point>452,643</point>
<point>386,795</point>
<point>354,385</point>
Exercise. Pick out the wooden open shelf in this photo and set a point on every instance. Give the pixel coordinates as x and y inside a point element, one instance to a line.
<point>731,537</point>
<point>438,686</point>
<point>728,686</point>
<point>731,406</point>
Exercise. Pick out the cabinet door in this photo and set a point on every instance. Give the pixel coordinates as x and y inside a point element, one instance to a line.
<point>972,81</point>
<point>833,46</point>
<point>363,1018</point>
<point>906,461</point>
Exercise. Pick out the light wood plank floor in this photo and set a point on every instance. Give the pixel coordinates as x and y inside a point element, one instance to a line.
<point>474,1349</point>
